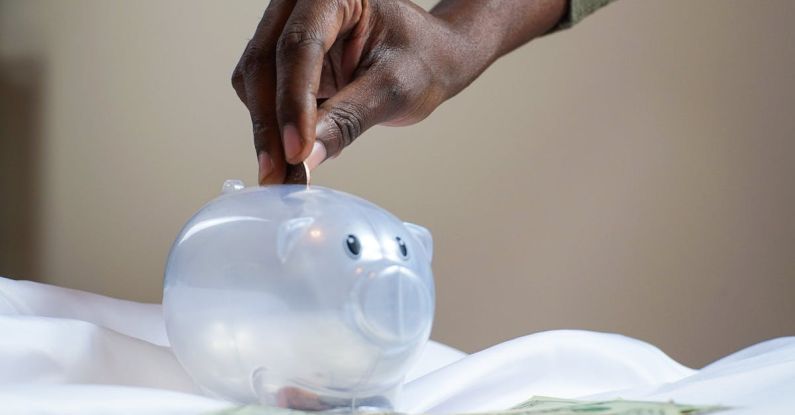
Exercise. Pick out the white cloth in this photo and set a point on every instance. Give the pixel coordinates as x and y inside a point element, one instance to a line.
<point>69,352</point>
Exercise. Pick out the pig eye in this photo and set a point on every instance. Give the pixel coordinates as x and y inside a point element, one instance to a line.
<point>404,250</point>
<point>353,246</point>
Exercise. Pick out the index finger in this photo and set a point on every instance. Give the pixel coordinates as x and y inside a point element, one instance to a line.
<point>257,72</point>
<point>309,33</point>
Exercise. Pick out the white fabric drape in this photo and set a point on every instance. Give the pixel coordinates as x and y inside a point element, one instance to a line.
<point>69,352</point>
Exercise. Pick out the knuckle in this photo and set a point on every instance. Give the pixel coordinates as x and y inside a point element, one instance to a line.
<point>396,94</point>
<point>409,92</point>
<point>237,80</point>
<point>396,88</point>
<point>348,125</point>
<point>349,8</point>
<point>298,36</point>
<point>252,61</point>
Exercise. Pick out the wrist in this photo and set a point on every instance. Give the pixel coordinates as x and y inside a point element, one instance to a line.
<point>470,48</point>
<point>482,31</point>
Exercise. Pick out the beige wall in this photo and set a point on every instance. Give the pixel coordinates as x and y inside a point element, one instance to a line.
<point>634,174</point>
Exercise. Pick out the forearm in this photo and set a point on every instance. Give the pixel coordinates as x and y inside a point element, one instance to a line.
<point>501,25</point>
<point>488,29</point>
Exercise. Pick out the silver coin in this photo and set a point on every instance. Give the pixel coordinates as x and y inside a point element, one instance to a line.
<point>297,174</point>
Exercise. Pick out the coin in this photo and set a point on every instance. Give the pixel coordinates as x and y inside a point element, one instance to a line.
<point>297,174</point>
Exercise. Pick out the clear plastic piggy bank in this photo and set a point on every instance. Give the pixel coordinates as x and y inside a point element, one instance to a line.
<point>299,297</point>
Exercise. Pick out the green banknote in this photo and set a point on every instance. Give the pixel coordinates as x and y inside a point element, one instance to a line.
<point>536,405</point>
<point>558,406</point>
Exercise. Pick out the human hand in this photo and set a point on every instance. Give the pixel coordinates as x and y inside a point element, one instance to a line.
<point>317,74</point>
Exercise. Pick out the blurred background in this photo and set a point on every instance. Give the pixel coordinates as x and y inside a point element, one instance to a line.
<point>635,174</point>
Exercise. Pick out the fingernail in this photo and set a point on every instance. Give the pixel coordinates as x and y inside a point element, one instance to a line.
<point>321,129</point>
<point>317,156</point>
<point>292,142</point>
<point>265,165</point>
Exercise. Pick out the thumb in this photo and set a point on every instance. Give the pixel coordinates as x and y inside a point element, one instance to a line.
<point>365,102</point>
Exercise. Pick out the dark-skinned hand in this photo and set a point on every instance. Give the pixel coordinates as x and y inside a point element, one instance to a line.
<point>318,73</point>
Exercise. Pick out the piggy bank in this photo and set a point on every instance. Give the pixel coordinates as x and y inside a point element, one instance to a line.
<point>299,297</point>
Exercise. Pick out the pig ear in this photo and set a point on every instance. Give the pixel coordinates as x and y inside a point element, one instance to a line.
<point>423,236</point>
<point>289,234</point>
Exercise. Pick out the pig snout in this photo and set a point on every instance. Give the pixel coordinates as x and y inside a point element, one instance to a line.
<point>392,306</point>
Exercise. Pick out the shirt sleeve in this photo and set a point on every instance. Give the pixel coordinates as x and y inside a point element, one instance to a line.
<point>578,10</point>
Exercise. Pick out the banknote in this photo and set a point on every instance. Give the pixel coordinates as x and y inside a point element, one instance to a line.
<point>559,406</point>
<point>537,405</point>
